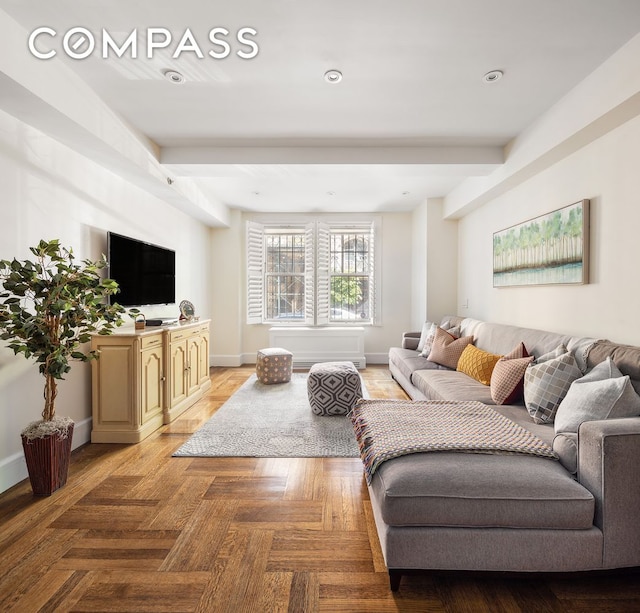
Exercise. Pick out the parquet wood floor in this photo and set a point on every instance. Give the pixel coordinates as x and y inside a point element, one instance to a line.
<point>137,530</point>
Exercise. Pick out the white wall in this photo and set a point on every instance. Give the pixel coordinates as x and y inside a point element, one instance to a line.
<point>419,266</point>
<point>442,264</point>
<point>395,286</point>
<point>606,172</point>
<point>50,191</point>
<point>434,264</point>
<point>227,292</point>
<point>234,342</point>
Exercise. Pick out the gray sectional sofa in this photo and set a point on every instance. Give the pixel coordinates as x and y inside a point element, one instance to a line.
<point>468,511</point>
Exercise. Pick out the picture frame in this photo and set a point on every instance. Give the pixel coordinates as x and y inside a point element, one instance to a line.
<point>551,249</point>
<point>187,310</point>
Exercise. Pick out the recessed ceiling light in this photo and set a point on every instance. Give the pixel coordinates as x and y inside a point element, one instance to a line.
<point>493,76</point>
<point>331,193</point>
<point>333,76</point>
<point>405,193</point>
<point>174,76</point>
<point>256,193</point>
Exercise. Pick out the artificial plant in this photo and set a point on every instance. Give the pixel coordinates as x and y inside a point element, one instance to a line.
<point>49,307</point>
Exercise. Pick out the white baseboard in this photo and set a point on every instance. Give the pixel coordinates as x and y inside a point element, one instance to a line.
<point>227,361</point>
<point>82,432</point>
<point>13,469</point>
<point>233,361</point>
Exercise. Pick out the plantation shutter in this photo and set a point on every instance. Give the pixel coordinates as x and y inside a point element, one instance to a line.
<point>309,274</point>
<point>323,289</point>
<point>374,268</point>
<point>255,274</point>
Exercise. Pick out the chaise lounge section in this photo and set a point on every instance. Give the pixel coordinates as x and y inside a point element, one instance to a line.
<point>515,512</point>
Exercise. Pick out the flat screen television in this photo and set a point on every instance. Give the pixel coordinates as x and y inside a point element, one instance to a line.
<point>145,273</point>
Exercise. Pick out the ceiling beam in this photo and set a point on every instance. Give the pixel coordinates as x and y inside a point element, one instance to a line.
<point>372,153</point>
<point>50,97</point>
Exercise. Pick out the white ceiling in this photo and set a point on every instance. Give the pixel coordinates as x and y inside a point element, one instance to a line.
<point>411,119</point>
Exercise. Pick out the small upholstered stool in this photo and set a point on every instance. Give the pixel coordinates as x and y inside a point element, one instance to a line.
<point>274,365</point>
<point>333,388</point>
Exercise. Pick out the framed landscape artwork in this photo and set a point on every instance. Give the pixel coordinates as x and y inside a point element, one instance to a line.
<point>550,249</point>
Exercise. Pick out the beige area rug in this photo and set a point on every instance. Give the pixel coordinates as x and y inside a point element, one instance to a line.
<point>272,421</point>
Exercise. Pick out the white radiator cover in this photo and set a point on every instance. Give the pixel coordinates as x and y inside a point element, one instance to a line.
<point>312,345</point>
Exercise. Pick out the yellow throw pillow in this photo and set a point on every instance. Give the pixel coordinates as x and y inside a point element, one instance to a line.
<point>477,364</point>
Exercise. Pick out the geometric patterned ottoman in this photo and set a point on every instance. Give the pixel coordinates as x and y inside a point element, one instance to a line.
<point>333,388</point>
<point>274,365</point>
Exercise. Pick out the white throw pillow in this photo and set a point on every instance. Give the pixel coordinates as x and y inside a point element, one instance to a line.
<point>603,393</point>
<point>428,341</point>
<point>426,327</point>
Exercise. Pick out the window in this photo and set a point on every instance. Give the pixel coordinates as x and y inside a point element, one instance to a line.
<point>313,274</point>
<point>350,272</point>
<point>284,275</point>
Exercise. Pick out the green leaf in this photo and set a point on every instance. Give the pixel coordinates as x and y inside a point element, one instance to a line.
<point>65,304</point>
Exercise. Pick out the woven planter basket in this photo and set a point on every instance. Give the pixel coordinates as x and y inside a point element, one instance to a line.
<point>48,462</point>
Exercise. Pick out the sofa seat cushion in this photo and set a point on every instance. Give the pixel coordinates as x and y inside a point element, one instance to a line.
<point>450,385</point>
<point>519,414</point>
<point>408,361</point>
<point>476,490</point>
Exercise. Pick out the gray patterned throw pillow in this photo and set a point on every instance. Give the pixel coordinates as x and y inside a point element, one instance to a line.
<point>546,383</point>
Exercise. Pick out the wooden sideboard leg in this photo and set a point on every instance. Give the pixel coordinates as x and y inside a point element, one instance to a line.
<point>394,579</point>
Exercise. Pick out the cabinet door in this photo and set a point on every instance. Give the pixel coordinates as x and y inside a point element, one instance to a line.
<point>193,357</point>
<point>152,382</point>
<point>179,366</point>
<point>114,388</point>
<point>203,364</point>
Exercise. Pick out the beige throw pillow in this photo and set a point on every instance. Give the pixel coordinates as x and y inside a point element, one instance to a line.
<point>447,349</point>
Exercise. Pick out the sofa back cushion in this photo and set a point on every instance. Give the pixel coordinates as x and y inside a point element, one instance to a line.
<point>499,338</point>
<point>451,321</point>
<point>625,357</point>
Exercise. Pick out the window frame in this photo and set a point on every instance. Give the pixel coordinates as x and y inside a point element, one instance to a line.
<point>366,234</point>
<point>317,274</point>
<point>286,275</point>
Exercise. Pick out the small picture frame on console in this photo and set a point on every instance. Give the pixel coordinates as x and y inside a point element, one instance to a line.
<point>187,311</point>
